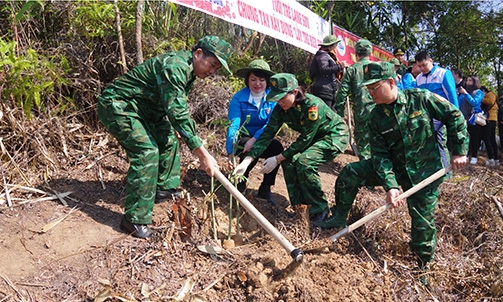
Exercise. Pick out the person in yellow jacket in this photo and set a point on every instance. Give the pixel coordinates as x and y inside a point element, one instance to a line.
<point>488,132</point>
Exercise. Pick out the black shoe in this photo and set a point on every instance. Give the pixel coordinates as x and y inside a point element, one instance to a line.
<point>318,217</point>
<point>264,192</point>
<point>170,194</point>
<point>137,230</point>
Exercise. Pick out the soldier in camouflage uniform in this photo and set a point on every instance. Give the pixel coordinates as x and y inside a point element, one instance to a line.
<point>404,152</point>
<point>400,56</point>
<point>142,109</point>
<point>323,136</point>
<point>359,97</point>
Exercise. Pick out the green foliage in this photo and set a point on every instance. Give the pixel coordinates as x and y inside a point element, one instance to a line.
<point>29,6</point>
<point>94,19</point>
<point>30,77</point>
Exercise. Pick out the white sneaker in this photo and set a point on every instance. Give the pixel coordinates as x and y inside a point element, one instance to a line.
<point>490,162</point>
<point>497,162</point>
<point>473,161</point>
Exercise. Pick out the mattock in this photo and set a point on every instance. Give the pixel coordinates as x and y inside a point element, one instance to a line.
<point>297,255</point>
<point>376,213</point>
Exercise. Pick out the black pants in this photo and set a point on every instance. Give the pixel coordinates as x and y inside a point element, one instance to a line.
<point>488,135</point>
<point>274,148</point>
<point>474,131</point>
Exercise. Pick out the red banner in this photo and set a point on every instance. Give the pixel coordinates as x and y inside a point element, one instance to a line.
<point>346,48</point>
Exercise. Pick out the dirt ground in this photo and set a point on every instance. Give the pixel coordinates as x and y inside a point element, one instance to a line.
<point>62,201</point>
<point>86,256</point>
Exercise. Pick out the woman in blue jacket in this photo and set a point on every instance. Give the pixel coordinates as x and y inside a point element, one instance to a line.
<point>248,115</point>
<point>470,100</point>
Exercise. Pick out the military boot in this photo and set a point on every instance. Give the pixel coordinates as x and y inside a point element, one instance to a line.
<point>264,192</point>
<point>423,273</point>
<point>337,220</point>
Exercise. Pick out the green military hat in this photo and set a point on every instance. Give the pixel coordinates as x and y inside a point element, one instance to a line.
<point>412,61</point>
<point>330,40</point>
<point>281,84</point>
<point>219,47</point>
<point>395,61</point>
<point>377,71</point>
<point>255,65</point>
<point>363,47</point>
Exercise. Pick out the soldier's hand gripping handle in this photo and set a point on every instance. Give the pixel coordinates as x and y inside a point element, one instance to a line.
<point>207,162</point>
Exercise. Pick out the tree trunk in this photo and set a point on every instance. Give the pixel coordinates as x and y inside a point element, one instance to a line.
<point>139,17</point>
<point>123,62</point>
<point>250,42</point>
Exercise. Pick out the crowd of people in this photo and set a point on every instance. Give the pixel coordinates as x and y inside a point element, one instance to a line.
<point>403,134</point>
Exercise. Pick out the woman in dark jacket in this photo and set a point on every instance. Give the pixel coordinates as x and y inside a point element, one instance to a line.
<point>326,71</point>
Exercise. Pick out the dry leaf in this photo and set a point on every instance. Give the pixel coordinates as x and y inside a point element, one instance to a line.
<point>54,223</point>
<point>182,294</point>
<point>242,276</point>
<point>211,249</point>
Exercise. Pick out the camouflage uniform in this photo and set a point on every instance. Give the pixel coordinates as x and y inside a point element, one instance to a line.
<point>142,109</point>
<point>404,152</point>
<point>362,104</point>
<point>323,136</point>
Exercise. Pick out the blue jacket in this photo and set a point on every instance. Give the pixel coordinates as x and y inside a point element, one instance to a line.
<point>242,105</point>
<point>471,103</point>
<point>440,81</point>
<point>408,81</point>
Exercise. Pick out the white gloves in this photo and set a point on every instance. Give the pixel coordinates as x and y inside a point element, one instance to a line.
<point>241,168</point>
<point>269,165</point>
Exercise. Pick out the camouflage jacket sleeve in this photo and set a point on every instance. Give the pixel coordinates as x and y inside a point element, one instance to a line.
<point>275,123</point>
<point>174,83</point>
<point>343,92</point>
<point>444,111</point>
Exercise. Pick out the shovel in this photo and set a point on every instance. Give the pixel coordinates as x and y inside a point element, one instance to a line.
<point>296,254</point>
<point>379,211</point>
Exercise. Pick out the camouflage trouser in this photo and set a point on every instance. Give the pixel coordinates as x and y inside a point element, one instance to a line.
<point>362,139</point>
<point>421,205</point>
<point>302,178</point>
<point>153,152</point>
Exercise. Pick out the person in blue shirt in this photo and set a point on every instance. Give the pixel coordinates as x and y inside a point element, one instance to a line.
<point>248,116</point>
<point>409,78</point>
<point>440,81</point>
<point>435,78</point>
<point>470,99</point>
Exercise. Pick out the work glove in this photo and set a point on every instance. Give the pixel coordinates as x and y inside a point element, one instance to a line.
<point>269,165</point>
<point>241,168</point>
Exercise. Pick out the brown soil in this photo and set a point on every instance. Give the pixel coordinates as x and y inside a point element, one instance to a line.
<point>86,257</point>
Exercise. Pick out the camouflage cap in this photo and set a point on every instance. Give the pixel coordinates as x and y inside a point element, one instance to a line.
<point>399,51</point>
<point>395,61</point>
<point>281,84</point>
<point>255,65</point>
<point>363,47</point>
<point>330,40</point>
<point>219,47</point>
<point>377,71</point>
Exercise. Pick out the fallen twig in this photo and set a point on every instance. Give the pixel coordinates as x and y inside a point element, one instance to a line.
<point>7,280</point>
<point>54,223</point>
